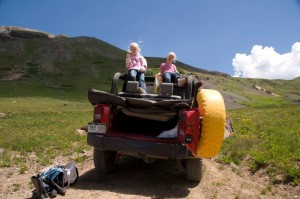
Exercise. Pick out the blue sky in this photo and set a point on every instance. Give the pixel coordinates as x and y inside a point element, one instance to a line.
<point>245,38</point>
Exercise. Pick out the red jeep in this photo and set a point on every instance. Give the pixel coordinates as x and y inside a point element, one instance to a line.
<point>183,123</point>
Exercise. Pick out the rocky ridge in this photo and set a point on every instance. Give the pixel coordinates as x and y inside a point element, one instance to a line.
<point>13,32</point>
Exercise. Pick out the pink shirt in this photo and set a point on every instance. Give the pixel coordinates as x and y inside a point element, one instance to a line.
<point>168,67</point>
<point>136,62</point>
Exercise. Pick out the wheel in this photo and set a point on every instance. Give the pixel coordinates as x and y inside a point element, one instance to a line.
<point>105,161</point>
<point>188,87</point>
<point>212,110</point>
<point>114,84</point>
<point>193,167</point>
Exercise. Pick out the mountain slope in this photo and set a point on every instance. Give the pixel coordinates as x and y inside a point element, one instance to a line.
<point>40,62</point>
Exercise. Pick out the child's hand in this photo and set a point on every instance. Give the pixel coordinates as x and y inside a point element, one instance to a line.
<point>128,54</point>
<point>128,58</point>
<point>142,69</point>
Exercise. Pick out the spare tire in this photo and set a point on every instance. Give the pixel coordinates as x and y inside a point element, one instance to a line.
<point>212,110</point>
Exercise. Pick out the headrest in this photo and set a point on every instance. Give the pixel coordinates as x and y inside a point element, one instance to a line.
<point>166,89</point>
<point>132,86</point>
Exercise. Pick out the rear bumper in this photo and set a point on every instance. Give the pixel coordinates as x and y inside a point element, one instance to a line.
<point>138,148</point>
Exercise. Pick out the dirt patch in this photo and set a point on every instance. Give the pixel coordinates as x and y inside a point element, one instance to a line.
<point>161,179</point>
<point>12,76</point>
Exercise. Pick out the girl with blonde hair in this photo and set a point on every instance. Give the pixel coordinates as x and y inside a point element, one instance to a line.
<point>169,70</point>
<point>136,65</point>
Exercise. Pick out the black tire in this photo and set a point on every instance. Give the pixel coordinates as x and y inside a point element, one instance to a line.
<point>193,167</point>
<point>188,87</point>
<point>114,84</point>
<point>105,161</point>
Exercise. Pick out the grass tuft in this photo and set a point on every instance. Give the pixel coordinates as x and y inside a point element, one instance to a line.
<point>269,137</point>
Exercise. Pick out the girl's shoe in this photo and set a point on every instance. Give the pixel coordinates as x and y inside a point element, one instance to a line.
<point>181,82</point>
<point>141,91</point>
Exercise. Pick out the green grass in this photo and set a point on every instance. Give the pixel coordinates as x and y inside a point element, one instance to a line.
<point>269,138</point>
<point>45,107</point>
<point>265,102</point>
<point>267,134</point>
<point>44,126</point>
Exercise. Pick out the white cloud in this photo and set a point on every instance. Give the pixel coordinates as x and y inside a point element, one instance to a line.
<point>266,63</point>
<point>140,41</point>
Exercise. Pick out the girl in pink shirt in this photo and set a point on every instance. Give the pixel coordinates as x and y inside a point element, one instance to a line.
<point>136,65</point>
<point>169,70</point>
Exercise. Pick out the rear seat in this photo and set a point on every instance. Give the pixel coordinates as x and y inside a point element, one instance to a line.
<point>147,108</point>
<point>166,92</point>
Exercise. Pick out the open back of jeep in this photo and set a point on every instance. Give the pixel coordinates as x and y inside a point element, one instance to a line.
<point>178,123</point>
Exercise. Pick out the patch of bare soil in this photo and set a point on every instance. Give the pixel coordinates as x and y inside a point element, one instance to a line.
<point>161,179</point>
<point>12,76</point>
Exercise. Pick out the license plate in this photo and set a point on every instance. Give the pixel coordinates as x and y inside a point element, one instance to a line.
<point>97,128</point>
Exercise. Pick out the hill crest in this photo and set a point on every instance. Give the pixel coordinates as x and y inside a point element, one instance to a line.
<point>80,63</point>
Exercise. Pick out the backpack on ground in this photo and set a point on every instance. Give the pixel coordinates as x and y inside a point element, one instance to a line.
<point>57,177</point>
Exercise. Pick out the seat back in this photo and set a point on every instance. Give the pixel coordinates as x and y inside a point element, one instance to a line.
<point>132,86</point>
<point>166,89</point>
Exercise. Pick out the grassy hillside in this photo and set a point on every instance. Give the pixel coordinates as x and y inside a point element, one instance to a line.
<point>63,63</point>
<point>73,65</point>
<point>266,139</point>
<point>43,94</point>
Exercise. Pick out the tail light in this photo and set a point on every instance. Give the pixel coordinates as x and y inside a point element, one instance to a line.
<point>189,128</point>
<point>102,114</point>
